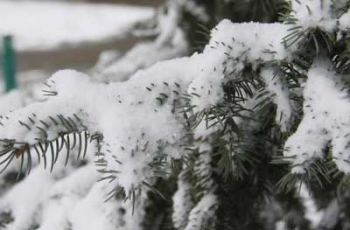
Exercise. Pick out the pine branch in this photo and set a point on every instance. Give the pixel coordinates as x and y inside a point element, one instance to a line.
<point>70,134</point>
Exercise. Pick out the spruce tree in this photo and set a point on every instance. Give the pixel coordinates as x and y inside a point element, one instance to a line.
<point>250,131</point>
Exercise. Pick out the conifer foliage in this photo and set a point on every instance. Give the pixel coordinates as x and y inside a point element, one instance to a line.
<point>250,132</point>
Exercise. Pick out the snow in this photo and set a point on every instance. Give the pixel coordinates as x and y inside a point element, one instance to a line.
<point>141,56</point>
<point>38,183</point>
<point>331,215</point>
<point>280,93</point>
<point>312,213</point>
<point>117,117</point>
<point>92,212</point>
<point>45,25</point>
<point>141,121</point>
<point>281,225</point>
<point>170,43</point>
<point>202,214</point>
<point>313,14</point>
<point>231,46</point>
<point>182,202</point>
<point>344,21</point>
<point>195,9</point>
<point>64,195</point>
<point>11,101</point>
<point>37,186</point>
<point>251,41</point>
<point>186,214</point>
<point>326,120</point>
<point>129,114</point>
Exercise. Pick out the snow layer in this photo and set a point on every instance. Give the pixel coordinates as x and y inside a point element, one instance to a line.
<point>11,101</point>
<point>142,56</point>
<point>232,46</point>
<point>312,213</point>
<point>140,121</point>
<point>280,93</point>
<point>326,121</point>
<point>129,114</point>
<point>201,216</point>
<point>44,25</point>
<point>64,196</point>
<point>37,186</point>
<point>313,14</point>
<point>182,201</point>
<point>169,44</point>
<point>344,21</point>
<point>195,9</point>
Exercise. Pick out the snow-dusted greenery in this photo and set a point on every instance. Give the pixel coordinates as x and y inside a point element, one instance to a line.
<point>210,133</point>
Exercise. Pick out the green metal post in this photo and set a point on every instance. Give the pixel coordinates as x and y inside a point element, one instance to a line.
<point>9,63</point>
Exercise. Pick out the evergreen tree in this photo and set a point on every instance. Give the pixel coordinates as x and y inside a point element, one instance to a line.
<point>251,131</point>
